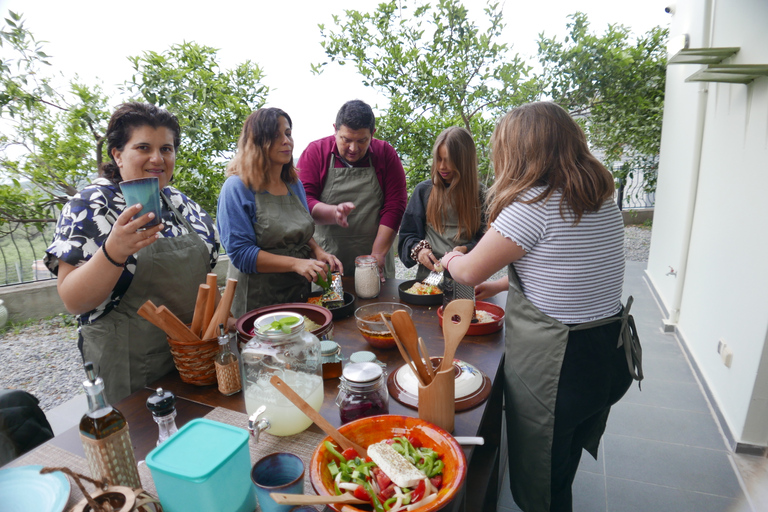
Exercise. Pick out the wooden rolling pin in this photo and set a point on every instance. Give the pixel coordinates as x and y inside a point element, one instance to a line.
<point>222,310</point>
<point>210,304</point>
<point>175,328</point>
<point>200,304</point>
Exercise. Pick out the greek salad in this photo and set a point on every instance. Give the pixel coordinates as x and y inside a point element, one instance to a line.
<point>396,474</point>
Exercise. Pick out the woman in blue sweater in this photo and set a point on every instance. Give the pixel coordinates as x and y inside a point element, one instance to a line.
<point>263,218</point>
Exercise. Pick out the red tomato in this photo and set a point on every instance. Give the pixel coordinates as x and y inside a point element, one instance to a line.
<point>350,453</point>
<point>418,493</point>
<point>382,480</point>
<point>361,494</point>
<point>437,481</point>
<point>387,493</point>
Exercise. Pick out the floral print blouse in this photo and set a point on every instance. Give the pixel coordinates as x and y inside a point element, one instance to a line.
<point>87,219</point>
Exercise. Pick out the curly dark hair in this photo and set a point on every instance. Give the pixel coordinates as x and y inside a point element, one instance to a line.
<point>127,118</point>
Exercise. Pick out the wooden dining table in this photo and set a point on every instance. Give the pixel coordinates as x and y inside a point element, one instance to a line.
<point>485,353</point>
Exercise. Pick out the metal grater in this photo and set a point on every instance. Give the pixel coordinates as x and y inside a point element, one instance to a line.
<point>453,290</point>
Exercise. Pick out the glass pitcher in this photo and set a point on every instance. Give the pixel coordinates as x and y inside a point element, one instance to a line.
<point>281,347</point>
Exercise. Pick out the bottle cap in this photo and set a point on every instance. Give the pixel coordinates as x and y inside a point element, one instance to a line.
<point>328,347</point>
<point>161,402</point>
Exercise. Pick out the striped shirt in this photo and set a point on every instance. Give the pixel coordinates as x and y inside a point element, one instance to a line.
<point>571,273</point>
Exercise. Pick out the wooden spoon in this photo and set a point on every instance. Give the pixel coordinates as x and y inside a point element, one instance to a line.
<point>315,416</point>
<point>406,331</point>
<point>454,332</point>
<point>406,356</point>
<point>308,499</point>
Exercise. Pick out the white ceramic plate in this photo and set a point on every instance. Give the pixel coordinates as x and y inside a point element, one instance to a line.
<point>468,379</point>
<point>24,489</point>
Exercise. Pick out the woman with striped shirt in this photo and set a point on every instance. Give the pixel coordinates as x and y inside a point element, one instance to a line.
<point>557,228</point>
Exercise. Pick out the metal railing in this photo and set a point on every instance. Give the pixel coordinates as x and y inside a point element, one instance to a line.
<point>631,195</point>
<point>21,255</point>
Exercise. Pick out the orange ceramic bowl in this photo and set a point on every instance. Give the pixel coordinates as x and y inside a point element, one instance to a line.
<point>367,431</point>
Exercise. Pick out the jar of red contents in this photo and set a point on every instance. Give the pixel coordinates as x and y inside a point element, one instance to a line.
<point>362,392</point>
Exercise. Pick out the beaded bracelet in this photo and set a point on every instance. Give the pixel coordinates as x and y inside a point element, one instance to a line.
<point>418,247</point>
<point>109,258</point>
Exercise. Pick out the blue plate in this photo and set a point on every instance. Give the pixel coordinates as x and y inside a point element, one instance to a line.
<point>24,489</point>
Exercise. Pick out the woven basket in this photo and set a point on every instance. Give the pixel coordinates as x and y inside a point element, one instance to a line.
<point>195,360</point>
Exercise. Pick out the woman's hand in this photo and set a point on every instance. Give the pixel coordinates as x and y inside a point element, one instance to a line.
<point>491,288</point>
<point>427,258</point>
<point>460,248</point>
<point>331,260</point>
<point>125,238</point>
<point>309,268</point>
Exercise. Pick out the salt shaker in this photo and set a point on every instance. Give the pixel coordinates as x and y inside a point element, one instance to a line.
<point>162,404</point>
<point>367,278</point>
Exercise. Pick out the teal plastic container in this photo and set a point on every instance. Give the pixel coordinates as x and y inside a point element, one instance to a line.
<point>206,465</point>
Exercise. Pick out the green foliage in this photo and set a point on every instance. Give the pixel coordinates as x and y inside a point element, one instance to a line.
<point>211,105</point>
<point>437,69</point>
<point>616,85</point>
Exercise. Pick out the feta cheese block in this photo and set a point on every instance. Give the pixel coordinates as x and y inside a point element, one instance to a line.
<point>394,465</point>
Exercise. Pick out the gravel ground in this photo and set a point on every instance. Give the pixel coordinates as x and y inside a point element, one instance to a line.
<point>42,358</point>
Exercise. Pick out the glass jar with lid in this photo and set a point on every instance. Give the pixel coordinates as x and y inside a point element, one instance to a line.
<point>281,346</point>
<point>362,392</point>
<point>367,277</point>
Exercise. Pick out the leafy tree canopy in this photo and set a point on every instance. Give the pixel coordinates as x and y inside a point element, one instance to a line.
<point>436,68</point>
<point>615,86</point>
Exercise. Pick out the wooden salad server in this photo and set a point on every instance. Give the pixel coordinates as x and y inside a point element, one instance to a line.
<point>308,499</point>
<point>454,332</point>
<point>315,416</point>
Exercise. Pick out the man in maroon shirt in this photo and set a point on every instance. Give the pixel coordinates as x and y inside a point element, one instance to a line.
<point>355,188</point>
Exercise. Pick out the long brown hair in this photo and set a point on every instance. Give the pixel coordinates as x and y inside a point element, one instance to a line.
<point>539,144</point>
<point>463,193</point>
<point>251,161</point>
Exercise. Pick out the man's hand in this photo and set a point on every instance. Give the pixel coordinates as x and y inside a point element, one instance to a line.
<point>342,212</point>
<point>380,259</point>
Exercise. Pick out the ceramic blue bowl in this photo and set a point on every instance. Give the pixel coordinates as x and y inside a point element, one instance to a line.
<point>144,191</point>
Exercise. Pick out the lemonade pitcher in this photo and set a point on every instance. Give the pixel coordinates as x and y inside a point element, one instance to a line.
<point>281,346</point>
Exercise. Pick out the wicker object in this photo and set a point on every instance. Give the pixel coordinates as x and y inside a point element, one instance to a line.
<point>195,360</point>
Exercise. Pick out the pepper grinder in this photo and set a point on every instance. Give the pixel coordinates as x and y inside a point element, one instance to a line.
<point>162,403</point>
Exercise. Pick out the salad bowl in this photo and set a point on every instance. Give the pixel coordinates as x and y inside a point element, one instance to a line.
<point>367,431</point>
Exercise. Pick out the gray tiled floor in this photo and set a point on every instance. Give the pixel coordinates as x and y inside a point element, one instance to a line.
<point>663,449</point>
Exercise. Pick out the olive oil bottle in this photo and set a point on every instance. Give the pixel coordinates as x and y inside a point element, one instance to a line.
<point>105,437</point>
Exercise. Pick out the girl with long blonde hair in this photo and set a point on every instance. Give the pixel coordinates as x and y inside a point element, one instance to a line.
<point>555,225</point>
<point>445,213</point>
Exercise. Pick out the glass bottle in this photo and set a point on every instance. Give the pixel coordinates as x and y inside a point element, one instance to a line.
<point>281,346</point>
<point>367,278</point>
<point>331,359</point>
<point>227,369</point>
<point>162,404</point>
<point>362,392</point>
<point>105,437</point>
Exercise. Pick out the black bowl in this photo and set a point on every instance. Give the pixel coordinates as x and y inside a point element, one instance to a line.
<point>419,300</point>
<point>342,311</point>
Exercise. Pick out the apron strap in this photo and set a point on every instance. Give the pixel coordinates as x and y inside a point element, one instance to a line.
<point>176,212</point>
<point>627,337</point>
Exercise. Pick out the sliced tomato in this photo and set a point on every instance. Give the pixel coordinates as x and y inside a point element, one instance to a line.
<point>414,441</point>
<point>437,481</point>
<point>361,494</point>
<point>387,493</point>
<point>418,492</point>
<point>350,453</point>
<point>382,480</point>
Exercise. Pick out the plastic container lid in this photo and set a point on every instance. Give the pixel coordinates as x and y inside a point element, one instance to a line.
<point>198,449</point>
<point>362,357</point>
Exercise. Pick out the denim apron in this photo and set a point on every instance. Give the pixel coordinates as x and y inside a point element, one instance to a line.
<point>358,185</point>
<point>130,351</point>
<point>283,227</point>
<point>534,350</point>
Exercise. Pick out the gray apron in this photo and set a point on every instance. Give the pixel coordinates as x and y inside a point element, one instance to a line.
<point>130,351</point>
<point>534,350</point>
<point>283,227</point>
<point>358,185</point>
<point>444,242</point>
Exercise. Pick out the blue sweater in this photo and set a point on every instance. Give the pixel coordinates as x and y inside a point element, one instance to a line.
<point>236,215</point>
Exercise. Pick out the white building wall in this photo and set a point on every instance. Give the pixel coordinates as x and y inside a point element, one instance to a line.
<point>724,294</point>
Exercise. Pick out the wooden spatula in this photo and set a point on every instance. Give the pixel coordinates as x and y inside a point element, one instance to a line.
<point>308,499</point>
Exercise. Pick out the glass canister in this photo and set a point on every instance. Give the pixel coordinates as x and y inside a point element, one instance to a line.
<point>282,347</point>
<point>331,359</point>
<point>362,392</point>
<point>367,278</point>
